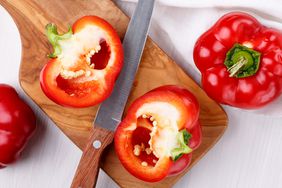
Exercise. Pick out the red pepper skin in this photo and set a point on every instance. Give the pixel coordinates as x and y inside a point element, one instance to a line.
<point>210,51</point>
<point>17,125</point>
<point>131,131</point>
<point>77,93</point>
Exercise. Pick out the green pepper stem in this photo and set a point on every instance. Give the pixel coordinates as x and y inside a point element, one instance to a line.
<point>183,138</point>
<point>234,69</point>
<point>54,37</point>
<point>242,61</point>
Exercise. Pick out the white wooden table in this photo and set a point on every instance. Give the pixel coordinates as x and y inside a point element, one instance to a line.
<point>248,155</point>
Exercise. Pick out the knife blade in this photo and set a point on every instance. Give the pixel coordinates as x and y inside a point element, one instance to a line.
<point>110,111</point>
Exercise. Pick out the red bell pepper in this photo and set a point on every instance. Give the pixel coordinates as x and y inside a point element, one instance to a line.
<point>17,124</point>
<point>241,61</point>
<point>85,63</point>
<point>159,133</point>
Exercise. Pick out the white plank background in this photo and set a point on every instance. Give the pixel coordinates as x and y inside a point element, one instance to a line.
<point>249,154</point>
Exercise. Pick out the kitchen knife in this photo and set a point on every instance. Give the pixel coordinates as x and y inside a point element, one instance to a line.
<point>110,112</point>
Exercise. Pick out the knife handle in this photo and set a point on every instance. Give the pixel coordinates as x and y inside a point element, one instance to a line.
<point>88,168</point>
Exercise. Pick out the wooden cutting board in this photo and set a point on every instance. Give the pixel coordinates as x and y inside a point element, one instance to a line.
<point>156,69</point>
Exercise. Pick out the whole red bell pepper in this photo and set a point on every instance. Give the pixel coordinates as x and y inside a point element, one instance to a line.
<point>241,61</point>
<point>85,63</point>
<point>159,133</point>
<point>17,124</point>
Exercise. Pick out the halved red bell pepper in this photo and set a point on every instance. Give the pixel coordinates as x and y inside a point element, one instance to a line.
<point>241,61</point>
<point>159,133</point>
<point>85,63</point>
<point>17,125</point>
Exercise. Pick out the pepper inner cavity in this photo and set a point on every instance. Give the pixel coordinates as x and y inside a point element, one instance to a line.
<point>96,58</point>
<point>100,59</point>
<point>141,138</point>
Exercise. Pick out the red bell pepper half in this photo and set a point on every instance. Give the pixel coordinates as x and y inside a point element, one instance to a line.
<point>241,61</point>
<point>85,63</point>
<point>159,133</point>
<point>17,124</point>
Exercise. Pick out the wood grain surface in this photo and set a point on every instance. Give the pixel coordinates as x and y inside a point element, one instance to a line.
<point>156,69</point>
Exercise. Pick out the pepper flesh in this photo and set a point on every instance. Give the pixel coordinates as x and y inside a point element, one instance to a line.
<point>142,130</point>
<point>17,125</point>
<point>237,86</point>
<point>84,65</point>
